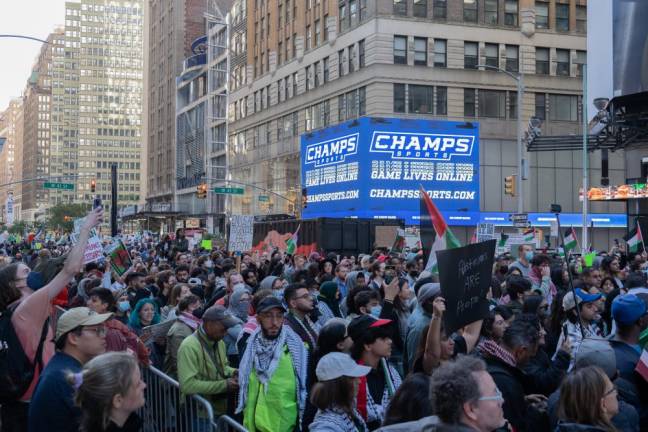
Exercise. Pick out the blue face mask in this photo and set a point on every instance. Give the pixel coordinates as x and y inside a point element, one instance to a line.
<point>375,311</point>
<point>124,306</point>
<point>35,280</point>
<point>529,256</point>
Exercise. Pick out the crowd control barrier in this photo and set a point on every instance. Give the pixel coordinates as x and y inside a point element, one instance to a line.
<point>166,410</point>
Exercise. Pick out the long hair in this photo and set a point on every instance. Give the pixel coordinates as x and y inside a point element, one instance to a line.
<point>134,321</point>
<point>102,378</point>
<point>336,393</point>
<point>8,291</point>
<point>580,398</point>
<point>411,401</point>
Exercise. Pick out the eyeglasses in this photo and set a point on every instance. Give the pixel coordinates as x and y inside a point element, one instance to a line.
<point>304,296</point>
<point>99,331</point>
<point>497,397</point>
<point>609,392</point>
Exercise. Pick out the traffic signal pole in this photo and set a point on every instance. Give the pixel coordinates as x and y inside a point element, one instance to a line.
<point>113,200</point>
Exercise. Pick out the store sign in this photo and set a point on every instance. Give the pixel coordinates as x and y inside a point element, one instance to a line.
<point>621,192</point>
<point>372,168</point>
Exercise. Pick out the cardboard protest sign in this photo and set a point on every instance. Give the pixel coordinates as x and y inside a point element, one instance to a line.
<point>240,236</point>
<point>94,249</point>
<point>120,259</point>
<point>465,276</point>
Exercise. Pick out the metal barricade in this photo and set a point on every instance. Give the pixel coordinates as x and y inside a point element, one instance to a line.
<point>167,410</point>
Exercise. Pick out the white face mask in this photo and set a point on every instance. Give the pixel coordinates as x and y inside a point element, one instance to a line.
<point>209,263</point>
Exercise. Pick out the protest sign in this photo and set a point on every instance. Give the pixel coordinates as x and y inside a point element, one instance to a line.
<point>465,276</point>
<point>94,249</point>
<point>240,236</point>
<point>485,231</point>
<point>120,259</point>
<point>206,244</point>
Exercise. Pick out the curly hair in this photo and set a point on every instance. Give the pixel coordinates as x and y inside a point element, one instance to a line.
<point>452,386</point>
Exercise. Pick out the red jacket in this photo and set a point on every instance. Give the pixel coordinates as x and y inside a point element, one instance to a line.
<point>119,338</point>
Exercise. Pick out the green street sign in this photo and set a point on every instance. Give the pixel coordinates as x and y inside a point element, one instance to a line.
<point>229,190</point>
<point>56,185</point>
<point>264,198</point>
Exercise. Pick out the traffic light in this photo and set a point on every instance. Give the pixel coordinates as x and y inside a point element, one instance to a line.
<point>201,191</point>
<point>93,185</point>
<point>509,185</point>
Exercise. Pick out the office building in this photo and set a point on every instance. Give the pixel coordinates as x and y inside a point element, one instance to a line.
<point>11,137</point>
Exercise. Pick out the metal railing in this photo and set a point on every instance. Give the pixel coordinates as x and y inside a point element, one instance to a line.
<point>167,409</point>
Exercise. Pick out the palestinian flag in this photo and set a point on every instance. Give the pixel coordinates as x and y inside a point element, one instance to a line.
<point>434,232</point>
<point>399,241</point>
<point>571,242</point>
<point>502,240</point>
<point>291,243</point>
<point>642,365</point>
<point>529,235</point>
<point>634,240</point>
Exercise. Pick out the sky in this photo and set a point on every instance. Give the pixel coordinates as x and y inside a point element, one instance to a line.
<point>36,18</point>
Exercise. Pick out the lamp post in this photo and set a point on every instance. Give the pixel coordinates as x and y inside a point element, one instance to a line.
<point>519,79</point>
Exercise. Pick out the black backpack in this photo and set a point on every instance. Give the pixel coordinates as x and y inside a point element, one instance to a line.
<point>16,370</point>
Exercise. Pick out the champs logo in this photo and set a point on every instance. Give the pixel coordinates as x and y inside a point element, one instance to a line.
<point>406,145</point>
<point>332,151</point>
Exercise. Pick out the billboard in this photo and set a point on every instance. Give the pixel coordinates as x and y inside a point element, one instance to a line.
<point>372,168</point>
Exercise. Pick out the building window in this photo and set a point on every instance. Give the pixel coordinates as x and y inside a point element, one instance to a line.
<point>352,104</point>
<point>326,31</point>
<point>512,104</point>
<point>492,103</point>
<point>542,14</point>
<point>353,13</point>
<point>421,99</point>
<point>562,17</point>
<point>361,54</point>
<point>563,107</point>
<point>279,52</point>
<point>471,54</point>
<point>294,45</point>
<point>490,12</point>
<point>308,77</point>
<point>540,106</point>
<point>441,101</point>
<point>399,98</point>
<point>400,49</point>
<point>325,67</point>
<point>316,66</point>
<point>400,7</point>
<point>340,63</point>
<point>342,17</point>
<point>420,8</point>
<point>420,51</point>
<point>440,58</point>
<point>309,40</point>
<point>542,61</point>
<point>512,64</point>
<point>440,9</point>
<point>511,13</point>
<point>318,32</point>
<point>581,19</point>
<point>581,59</point>
<point>562,62</point>
<point>351,58</point>
<point>362,101</point>
<point>469,102</point>
<point>470,10</point>
<point>492,55</point>
<point>295,81</point>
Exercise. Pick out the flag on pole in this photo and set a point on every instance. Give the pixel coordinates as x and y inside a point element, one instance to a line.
<point>571,242</point>
<point>399,241</point>
<point>502,240</point>
<point>434,232</point>
<point>529,235</point>
<point>634,240</point>
<point>291,243</point>
<point>642,365</point>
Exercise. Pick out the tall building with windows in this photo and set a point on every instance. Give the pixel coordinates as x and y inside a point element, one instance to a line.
<point>97,99</point>
<point>313,64</point>
<point>11,137</point>
<point>35,157</point>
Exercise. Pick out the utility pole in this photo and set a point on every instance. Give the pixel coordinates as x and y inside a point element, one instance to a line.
<point>113,200</point>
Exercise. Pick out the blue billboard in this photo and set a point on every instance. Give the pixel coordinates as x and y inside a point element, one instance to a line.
<point>373,167</point>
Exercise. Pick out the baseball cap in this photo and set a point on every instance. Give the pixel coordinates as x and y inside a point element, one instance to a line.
<point>427,291</point>
<point>336,364</point>
<point>627,309</point>
<point>596,352</point>
<point>78,317</point>
<point>219,313</point>
<point>195,281</point>
<point>361,324</point>
<point>269,303</point>
<point>581,297</point>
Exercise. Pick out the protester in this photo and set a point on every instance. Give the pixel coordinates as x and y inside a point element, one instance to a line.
<point>419,320</point>
<point>145,313</point>
<point>523,262</point>
<point>185,324</point>
<point>610,267</point>
<point>80,336</point>
<point>328,302</point>
<point>571,327</point>
<point>631,319</point>
<point>300,304</point>
<point>411,402</point>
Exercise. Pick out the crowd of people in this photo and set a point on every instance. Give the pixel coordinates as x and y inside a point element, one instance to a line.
<point>320,343</point>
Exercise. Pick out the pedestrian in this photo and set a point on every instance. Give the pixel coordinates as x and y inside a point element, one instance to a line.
<point>109,391</point>
<point>335,392</point>
<point>588,401</point>
<point>273,373</point>
<point>80,336</point>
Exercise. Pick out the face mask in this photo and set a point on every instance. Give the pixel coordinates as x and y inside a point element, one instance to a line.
<point>503,269</point>
<point>278,293</point>
<point>209,263</point>
<point>124,306</point>
<point>35,280</point>
<point>375,311</point>
<point>528,255</point>
<point>242,310</point>
<point>239,285</point>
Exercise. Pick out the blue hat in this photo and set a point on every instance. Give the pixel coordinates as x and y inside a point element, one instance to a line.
<point>581,297</point>
<point>627,309</point>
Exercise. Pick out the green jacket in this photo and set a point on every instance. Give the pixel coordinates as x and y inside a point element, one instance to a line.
<point>203,369</point>
<point>178,332</point>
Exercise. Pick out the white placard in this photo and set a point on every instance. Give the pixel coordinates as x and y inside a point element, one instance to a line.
<point>94,248</point>
<point>241,230</point>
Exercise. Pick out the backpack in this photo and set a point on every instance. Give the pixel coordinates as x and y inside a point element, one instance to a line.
<point>16,370</point>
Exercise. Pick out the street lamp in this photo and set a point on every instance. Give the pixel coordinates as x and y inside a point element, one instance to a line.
<point>519,78</point>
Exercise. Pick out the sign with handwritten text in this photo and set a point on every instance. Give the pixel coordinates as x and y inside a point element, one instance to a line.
<point>465,276</point>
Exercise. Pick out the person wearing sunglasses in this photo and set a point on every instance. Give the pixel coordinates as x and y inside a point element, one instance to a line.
<point>80,336</point>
